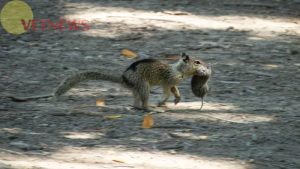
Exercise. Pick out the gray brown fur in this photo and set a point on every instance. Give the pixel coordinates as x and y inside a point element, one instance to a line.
<point>140,76</point>
<point>71,81</point>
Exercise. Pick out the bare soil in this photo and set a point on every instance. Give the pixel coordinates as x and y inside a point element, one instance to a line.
<point>250,119</point>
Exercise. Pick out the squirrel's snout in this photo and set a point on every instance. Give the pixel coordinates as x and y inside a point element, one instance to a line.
<point>201,72</point>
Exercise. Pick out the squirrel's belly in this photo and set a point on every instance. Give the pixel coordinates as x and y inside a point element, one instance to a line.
<point>154,82</point>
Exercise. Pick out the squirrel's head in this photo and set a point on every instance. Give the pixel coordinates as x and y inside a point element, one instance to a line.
<point>189,66</point>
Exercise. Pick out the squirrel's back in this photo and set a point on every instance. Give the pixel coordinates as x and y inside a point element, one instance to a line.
<point>153,71</point>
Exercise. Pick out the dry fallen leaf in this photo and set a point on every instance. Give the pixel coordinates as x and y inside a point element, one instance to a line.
<point>128,53</point>
<point>176,13</point>
<point>100,102</point>
<point>118,161</point>
<point>203,137</point>
<point>112,117</point>
<point>148,121</point>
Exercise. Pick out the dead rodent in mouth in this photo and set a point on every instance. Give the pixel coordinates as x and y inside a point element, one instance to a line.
<point>199,84</point>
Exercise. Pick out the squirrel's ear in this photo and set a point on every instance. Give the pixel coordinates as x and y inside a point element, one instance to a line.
<point>185,57</point>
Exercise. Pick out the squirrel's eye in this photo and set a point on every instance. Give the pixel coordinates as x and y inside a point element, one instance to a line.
<point>197,62</point>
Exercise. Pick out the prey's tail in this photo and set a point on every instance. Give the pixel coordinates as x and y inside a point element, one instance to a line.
<point>73,80</point>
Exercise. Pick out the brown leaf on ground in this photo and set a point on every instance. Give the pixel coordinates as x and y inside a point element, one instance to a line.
<point>100,102</point>
<point>128,53</point>
<point>148,121</point>
<point>118,161</point>
<point>112,117</point>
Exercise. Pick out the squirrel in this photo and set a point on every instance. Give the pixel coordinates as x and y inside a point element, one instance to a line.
<point>199,82</point>
<point>139,77</point>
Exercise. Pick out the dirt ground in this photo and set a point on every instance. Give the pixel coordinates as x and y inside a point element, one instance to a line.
<point>250,119</point>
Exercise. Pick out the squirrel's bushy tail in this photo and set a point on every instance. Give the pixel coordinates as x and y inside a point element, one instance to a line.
<point>71,81</point>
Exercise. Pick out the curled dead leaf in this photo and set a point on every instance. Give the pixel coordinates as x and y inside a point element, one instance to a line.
<point>128,53</point>
<point>112,117</point>
<point>118,161</point>
<point>176,13</point>
<point>148,121</point>
<point>100,102</point>
<point>203,137</point>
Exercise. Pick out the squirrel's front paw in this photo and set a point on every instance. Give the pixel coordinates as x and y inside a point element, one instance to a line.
<point>177,100</point>
<point>162,104</point>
